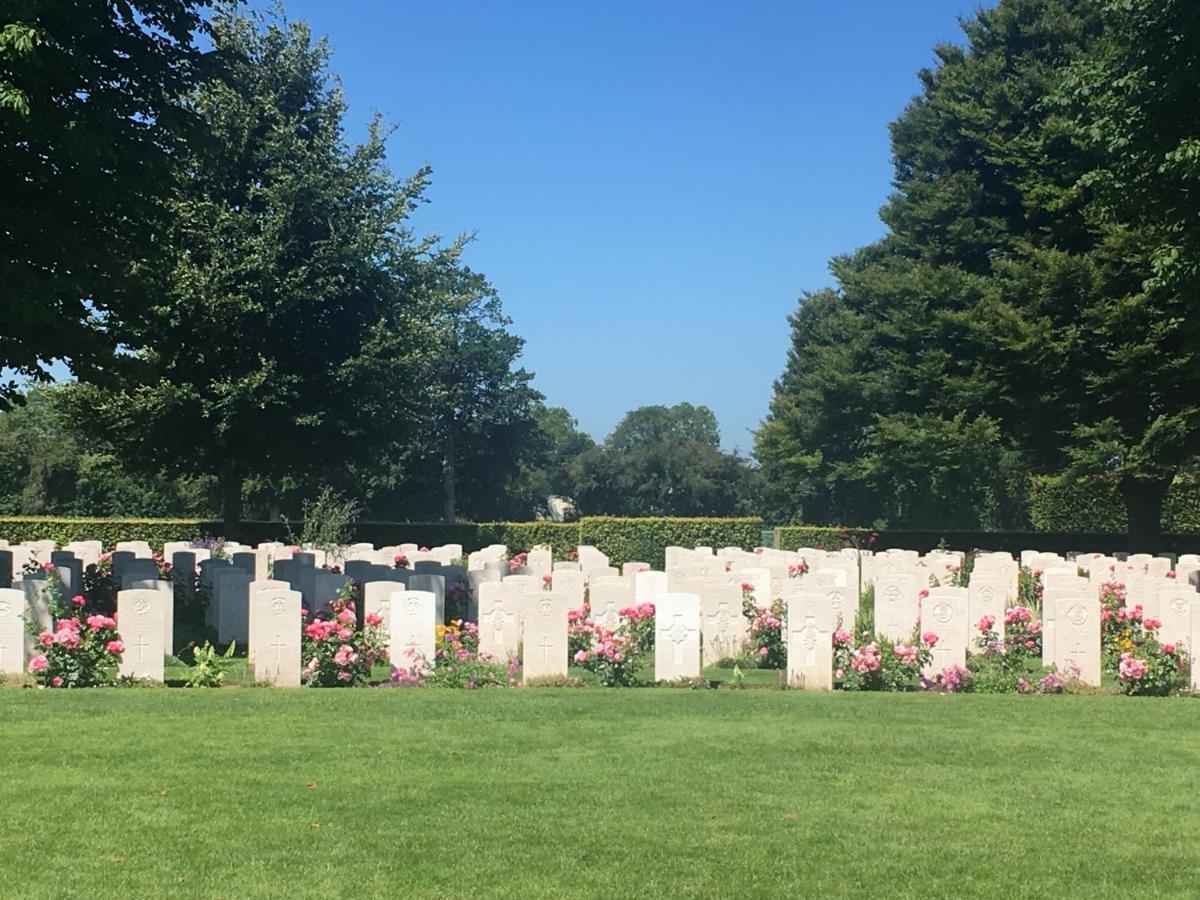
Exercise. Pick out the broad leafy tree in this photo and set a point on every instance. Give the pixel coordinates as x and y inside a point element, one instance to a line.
<point>291,335</point>
<point>660,461</point>
<point>91,124</point>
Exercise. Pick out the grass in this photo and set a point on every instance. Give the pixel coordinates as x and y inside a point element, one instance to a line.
<point>589,792</point>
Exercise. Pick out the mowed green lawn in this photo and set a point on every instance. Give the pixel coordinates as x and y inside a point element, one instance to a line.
<point>590,792</point>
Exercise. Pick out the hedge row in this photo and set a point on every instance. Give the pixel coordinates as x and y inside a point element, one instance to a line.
<point>644,539</point>
<point>1094,505</point>
<point>624,540</point>
<point>155,532</point>
<point>822,537</point>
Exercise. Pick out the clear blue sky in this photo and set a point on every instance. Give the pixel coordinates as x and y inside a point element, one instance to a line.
<point>651,184</point>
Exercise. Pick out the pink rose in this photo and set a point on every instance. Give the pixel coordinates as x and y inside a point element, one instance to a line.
<point>930,638</point>
<point>56,682</point>
<point>374,619</point>
<point>79,600</point>
<point>46,639</point>
<point>38,664</point>
<point>115,647</point>
<point>840,673</point>
<point>346,617</point>
<point>762,651</point>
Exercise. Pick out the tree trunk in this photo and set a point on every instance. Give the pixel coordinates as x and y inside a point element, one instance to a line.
<point>1144,500</point>
<point>448,481</point>
<point>231,501</point>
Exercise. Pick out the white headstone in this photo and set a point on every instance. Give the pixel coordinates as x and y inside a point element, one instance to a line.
<point>1077,638</point>
<point>413,629</point>
<point>500,607</point>
<point>988,595</point>
<point>607,598</point>
<point>167,589</point>
<point>649,586</point>
<point>677,636</point>
<point>12,631</point>
<point>544,633</point>
<point>896,605</point>
<point>945,612</point>
<point>275,644</point>
<point>141,616</point>
<point>723,626</point>
<point>1175,610</point>
<point>811,622</point>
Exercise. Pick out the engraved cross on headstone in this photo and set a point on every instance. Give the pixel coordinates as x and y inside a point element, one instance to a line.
<point>278,645</point>
<point>546,646</point>
<point>807,635</point>
<point>141,643</point>
<point>1075,655</point>
<point>678,632</point>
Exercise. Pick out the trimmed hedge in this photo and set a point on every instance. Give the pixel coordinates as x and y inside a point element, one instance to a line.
<point>155,532</point>
<point>645,539</point>
<point>1094,505</point>
<point>821,537</point>
<point>562,537</point>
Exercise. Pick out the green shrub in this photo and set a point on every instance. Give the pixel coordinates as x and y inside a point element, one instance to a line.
<point>423,534</point>
<point>1181,512</point>
<point>645,539</point>
<point>1095,505</point>
<point>821,537</point>
<point>155,532</point>
<point>1062,503</point>
<point>562,537</point>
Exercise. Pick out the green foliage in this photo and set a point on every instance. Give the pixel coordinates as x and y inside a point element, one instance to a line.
<point>644,539</point>
<point>328,521</point>
<point>293,314</point>
<point>1067,503</point>
<point>792,537</point>
<point>91,113</point>
<point>661,461</point>
<point>561,537</point>
<point>1031,308</point>
<point>155,532</point>
<point>210,667</point>
<point>53,463</point>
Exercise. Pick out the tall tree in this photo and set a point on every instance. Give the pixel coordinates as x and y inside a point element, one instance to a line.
<point>661,460</point>
<point>1010,310</point>
<point>291,336</point>
<point>1132,107</point>
<point>483,403</point>
<point>92,122</point>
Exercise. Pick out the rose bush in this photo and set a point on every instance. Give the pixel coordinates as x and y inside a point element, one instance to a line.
<point>82,648</point>
<point>337,652</point>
